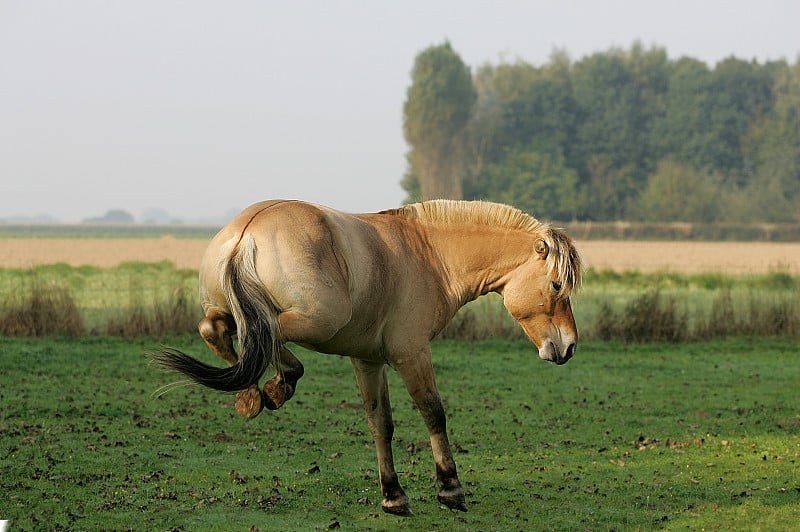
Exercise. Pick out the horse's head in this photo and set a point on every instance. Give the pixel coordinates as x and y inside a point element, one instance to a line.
<point>537,296</point>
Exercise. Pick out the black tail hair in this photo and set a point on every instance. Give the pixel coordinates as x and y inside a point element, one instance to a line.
<point>255,318</point>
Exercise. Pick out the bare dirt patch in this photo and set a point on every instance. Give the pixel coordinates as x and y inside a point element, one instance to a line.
<point>645,256</point>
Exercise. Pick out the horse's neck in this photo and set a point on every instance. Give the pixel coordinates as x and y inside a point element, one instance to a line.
<point>478,262</point>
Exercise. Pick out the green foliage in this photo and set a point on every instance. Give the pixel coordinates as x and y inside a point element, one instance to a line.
<point>686,436</point>
<point>629,125</point>
<point>669,313</point>
<point>678,192</point>
<point>611,110</point>
<point>438,105</point>
<point>534,181</point>
<point>774,192</point>
<point>129,300</point>
<point>177,313</point>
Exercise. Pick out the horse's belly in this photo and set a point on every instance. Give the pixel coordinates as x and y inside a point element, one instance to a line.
<point>364,346</point>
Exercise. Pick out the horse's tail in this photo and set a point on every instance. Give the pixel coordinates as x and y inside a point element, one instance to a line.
<point>256,324</point>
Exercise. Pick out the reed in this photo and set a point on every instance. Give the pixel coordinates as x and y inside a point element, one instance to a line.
<point>40,309</point>
<point>153,300</point>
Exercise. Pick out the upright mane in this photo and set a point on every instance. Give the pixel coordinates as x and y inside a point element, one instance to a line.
<point>471,212</point>
<point>564,263</point>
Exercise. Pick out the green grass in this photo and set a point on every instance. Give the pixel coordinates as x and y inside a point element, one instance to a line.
<point>135,298</point>
<point>694,435</point>
<point>638,307</point>
<point>104,295</point>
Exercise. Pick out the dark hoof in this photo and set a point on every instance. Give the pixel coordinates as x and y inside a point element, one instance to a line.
<point>454,502</point>
<point>400,507</point>
<point>249,402</point>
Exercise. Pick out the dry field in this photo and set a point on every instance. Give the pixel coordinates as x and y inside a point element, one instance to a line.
<point>644,256</point>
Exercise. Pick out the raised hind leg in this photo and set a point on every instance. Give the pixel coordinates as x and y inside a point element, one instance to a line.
<point>216,329</point>
<point>416,370</point>
<point>280,388</point>
<point>277,390</point>
<point>371,379</point>
<point>296,325</point>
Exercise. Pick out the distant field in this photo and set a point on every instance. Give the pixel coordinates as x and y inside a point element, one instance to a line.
<point>738,258</point>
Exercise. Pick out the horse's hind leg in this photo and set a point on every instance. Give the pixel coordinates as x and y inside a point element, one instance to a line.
<point>216,329</point>
<point>280,388</point>
<point>277,390</point>
<point>296,325</point>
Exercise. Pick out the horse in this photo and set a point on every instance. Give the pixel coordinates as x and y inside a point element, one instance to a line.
<point>376,288</point>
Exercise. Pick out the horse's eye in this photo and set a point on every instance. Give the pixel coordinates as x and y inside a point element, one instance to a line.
<point>556,286</point>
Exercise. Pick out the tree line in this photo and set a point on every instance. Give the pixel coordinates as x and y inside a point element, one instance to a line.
<point>617,135</point>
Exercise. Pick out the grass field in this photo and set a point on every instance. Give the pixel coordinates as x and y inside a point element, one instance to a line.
<point>156,298</point>
<point>627,436</point>
<point>689,436</point>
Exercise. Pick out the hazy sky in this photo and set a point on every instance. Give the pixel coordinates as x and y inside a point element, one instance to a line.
<point>200,107</point>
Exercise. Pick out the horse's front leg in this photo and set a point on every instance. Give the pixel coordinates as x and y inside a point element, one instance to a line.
<point>371,379</point>
<point>417,374</point>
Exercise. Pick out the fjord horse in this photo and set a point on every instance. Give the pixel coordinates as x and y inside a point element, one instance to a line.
<point>376,288</point>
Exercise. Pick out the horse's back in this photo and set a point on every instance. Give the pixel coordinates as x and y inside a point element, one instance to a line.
<point>287,235</point>
<point>307,257</point>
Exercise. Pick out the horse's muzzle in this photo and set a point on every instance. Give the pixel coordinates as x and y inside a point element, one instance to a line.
<point>557,354</point>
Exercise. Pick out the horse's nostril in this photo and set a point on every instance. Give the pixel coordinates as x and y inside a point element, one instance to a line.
<point>570,350</point>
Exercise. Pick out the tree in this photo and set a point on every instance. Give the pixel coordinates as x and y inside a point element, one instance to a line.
<point>774,191</point>
<point>611,189</point>
<point>608,110</point>
<point>708,114</point>
<point>114,216</point>
<point>618,94</point>
<point>677,192</point>
<point>634,126</point>
<point>410,182</point>
<point>681,133</point>
<point>536,180</point>
<point>437,108</point>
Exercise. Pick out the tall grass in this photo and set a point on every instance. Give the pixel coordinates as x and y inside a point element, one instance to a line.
<point>40,309</point>
<point>157,299</point>
<point>674,308</point>
<point>174,314</point>
<point>654,317</point>
<point>650,317</point>
<point>131,300</point>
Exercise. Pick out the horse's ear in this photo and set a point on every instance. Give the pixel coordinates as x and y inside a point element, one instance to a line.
<point>541,248</point>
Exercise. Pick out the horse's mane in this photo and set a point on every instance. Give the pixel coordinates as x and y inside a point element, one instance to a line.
<point>471,212</point>
<point>563,262</point>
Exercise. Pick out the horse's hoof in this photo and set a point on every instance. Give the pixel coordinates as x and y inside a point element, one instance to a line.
<point>249,402</point>
<point>454,502</point>
<point>277,392</point>
<point>402,508</point>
